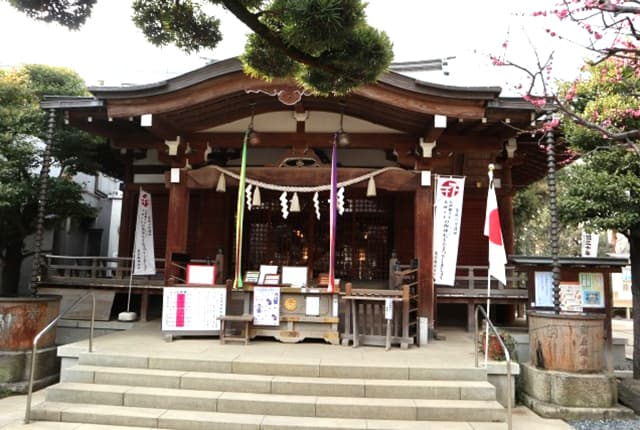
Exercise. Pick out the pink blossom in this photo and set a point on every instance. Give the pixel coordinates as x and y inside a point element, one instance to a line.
<point>571,92</point>
<point>597,35</point>
<point>554,123</point>
<point>538,102</point>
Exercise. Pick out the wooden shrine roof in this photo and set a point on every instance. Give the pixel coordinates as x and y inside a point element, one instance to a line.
<point>193,105</point>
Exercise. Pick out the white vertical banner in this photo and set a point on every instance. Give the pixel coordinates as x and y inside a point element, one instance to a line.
<point>590,244</point>
<point>446,228</point>
<point>144,259</point>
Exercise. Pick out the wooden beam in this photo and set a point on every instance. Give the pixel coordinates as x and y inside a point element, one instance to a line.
<point>423,225</point>
<point>422,103</point>
<point>446,143</point>
<point>299,113</point>
<point>394,180</point>
<point>186,98</point>
<point>177,227</point>
<point>312,140</point>
<point>163,129</point>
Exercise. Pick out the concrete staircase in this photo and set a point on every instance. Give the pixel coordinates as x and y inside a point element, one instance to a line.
<point>179,393</point>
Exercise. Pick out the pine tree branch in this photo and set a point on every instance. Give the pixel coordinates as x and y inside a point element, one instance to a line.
<point>252,21</point>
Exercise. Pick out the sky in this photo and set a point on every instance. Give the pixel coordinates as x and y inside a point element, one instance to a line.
<point>110,50</point>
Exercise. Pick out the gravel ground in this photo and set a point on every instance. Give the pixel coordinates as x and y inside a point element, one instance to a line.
<point>633,424</point>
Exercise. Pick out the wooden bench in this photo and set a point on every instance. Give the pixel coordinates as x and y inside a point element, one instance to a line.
<point>245,319</point>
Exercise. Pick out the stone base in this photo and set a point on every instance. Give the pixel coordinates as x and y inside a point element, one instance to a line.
<point>629,393</point>
<point>571,396</point>
<point>22,387</point>
<point>568,413</point>
<point>16,365</point>
<point>592,390</point>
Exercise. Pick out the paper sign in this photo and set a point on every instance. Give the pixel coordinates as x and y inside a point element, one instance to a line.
<point>571,297</point>
<point>201,274</point>
<point>266,306</point>
<point>544,289</point>
<point>388,309</point>
<point>592,290</point>
<point>264,270</point>
<point>192,308</point>
<point>312,305</point>
<point>296,276</point>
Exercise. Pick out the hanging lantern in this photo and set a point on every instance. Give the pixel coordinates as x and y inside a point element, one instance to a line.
<point>257,200</point>
<point>222,184</point>
<point>371,188</point>
<point>295,203</point>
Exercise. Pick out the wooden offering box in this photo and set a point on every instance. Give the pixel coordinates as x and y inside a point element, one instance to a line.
<point>303,313</point>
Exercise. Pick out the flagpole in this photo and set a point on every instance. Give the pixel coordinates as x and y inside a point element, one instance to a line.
<point>486,335</point>
<point>128,315</point>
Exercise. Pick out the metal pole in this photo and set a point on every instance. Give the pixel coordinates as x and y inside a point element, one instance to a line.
<point>553,216</point>
<point>42,202</point>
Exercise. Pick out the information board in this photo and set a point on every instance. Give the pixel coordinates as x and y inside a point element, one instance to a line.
<point>544,289</point>
<point>192,308</point>
<point>571,296</point>
<point>266,306</point>
<point>592,285</point>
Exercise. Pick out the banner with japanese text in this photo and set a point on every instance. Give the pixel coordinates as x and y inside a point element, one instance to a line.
<point>589,244</point>
<point>144,259</point>
<point>449,193</point>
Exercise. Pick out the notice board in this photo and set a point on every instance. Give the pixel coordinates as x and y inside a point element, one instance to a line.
<point>192,310</point>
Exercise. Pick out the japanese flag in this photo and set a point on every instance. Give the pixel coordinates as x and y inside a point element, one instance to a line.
<point>492,229</point>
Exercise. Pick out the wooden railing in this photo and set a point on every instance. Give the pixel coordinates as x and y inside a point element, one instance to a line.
<point>476,277</point>
<point>471,282</point>
<point>365,319</point>
<point>471,289</point>
<point>65,269</point>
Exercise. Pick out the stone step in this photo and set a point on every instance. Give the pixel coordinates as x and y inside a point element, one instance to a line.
<point>101,415</point>
<point>283,367</point>
<point>250,383</point>
<point>58,425</point>
<point>277,404</point>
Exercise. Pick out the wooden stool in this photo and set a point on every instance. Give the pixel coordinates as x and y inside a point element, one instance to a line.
<point>244,334</point>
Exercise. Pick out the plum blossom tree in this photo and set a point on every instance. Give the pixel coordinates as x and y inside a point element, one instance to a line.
<point>600,120</point>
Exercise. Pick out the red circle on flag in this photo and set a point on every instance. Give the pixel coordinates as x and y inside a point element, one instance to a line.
<point>450,188</point>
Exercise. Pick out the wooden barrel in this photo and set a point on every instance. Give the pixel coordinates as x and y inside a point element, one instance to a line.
<point>21,318</point>
<point>567,342</point>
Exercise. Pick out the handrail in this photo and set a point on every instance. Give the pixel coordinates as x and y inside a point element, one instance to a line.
<point>506,354</point>
<point>36,339</point>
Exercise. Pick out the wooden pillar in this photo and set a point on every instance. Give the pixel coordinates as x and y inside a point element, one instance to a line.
<point>423,245</point>
<point>177,226</point>
<point>128,213</point>
<point>127,221</point>
<point>506,208</point>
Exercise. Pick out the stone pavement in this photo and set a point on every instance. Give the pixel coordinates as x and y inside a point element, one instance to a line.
<point>456,351</point>
<point>624,328</point>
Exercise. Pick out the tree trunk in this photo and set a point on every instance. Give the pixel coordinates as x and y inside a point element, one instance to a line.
<point>634,257</point>
<point>11,269</point>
